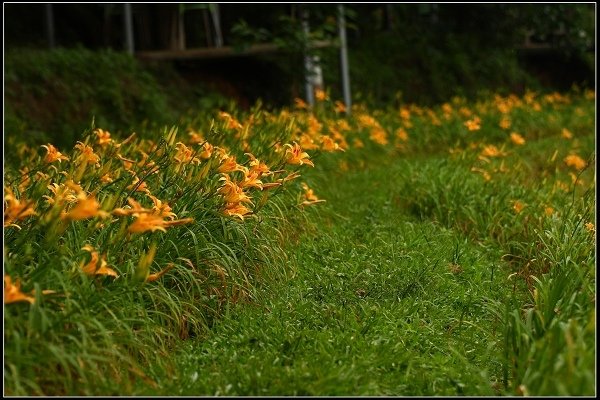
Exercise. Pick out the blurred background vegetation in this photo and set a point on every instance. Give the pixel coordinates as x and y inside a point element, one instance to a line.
<point>421,53</point>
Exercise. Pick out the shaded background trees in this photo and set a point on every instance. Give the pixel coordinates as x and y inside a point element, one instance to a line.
<point>428,52</point>
<point>424,53</point>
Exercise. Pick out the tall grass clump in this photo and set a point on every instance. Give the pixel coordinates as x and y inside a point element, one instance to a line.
<point>116,250</point>
<point>521,178</point>
<point>516,174</point>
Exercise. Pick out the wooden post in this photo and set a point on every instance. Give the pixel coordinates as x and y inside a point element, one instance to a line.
<point>308,67</point>
<point>50,26</point>
<point>181,27</point>
<point>128,19</point>
<point>207,30</point>
<point>344,59</point>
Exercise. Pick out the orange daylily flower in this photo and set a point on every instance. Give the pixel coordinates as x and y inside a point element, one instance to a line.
<point>185,154</point>
<point>314,126</point>
<point>518,206</point>
<point>150,220</point>
<point>296,156</point>
<point>237,210</point>
<point>320,95</point>
<point>160,208</point>
<point>257,166</point>
<point>251,180</point>
<point>465,112</point>
<point>575,161</point>
<point>74,187</point>
<point>207,150</point>
<point>63,192</point>
<point>378,135</point>
<point>404,113</point>
<point>103,137</point>
<point>328,144</point>
<point>340,107</point>
<point>307,143</point>
<point>486,175</point>
<point>590,94</point>
<point>473,124</point>
<point>16,209</point>
<point>343,125</point>
<point>310,196</point>
<point>153,222</point>
<point>590,227</point>
<point>367,121</point>
<point>228,164</point>
<point>358,143</point>
<point>301,104</point>
<point>232,123</point>
<point>127,163</point>
<point>92,267</point>
<point>106,178</point>
<point>139,187</point>
<point>87,153</point>
<point>53,154</point>
<point>86,207</point>
<point>195,137</point>
<point>155,276</point>
<point>505,123</point>
<point>231,192</point>
<point>447,109</point>
<point>517,139</point>
<point>566,134</point>
<point>148,166</point>
<point>13,293</point>
<point>490,151</point>
<point>339,138</point>
<point>135,210</point>
<point>402,134</point>
<point>434,118</point>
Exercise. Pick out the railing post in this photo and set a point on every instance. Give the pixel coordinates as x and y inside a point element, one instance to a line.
<point>344,59</point>
<point>216,17</point>
<point>308,64</point>
<point>128,20</point>
<point>50,26</point>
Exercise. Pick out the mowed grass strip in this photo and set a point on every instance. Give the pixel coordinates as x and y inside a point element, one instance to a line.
<point>381,304</point>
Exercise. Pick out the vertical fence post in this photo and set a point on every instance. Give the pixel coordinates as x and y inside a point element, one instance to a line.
<point>344,59</point>
<point>128,19</point>
<point>308,62</point>
<point>50,26</point>
<point>216,17</point>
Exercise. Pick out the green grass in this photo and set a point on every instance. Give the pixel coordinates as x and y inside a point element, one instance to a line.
<point>380,304</point>
<point>408,287</point>
<point>418,276</point>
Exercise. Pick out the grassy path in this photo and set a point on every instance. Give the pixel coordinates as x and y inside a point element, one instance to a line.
<point>380,304</point>
<point>456,258</point>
